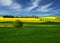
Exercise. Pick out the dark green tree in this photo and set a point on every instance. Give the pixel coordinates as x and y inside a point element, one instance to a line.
<point>18,24</point>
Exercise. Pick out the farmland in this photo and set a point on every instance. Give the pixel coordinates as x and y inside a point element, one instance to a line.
<point>40,19</point>
<point>34,30</point>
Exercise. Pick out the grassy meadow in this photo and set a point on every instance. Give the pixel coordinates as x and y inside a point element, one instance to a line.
<point>31,33</point>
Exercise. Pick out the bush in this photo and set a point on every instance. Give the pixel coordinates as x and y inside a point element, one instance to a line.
<point>18,24</point>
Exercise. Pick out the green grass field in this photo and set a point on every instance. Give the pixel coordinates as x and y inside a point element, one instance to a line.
<point>30,34</point>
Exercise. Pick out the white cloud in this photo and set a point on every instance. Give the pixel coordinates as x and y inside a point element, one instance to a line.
<point>15,6</point>
<point>34,5</point>
<point>5,2</point>
<point>10,4</point>
<point>45,8</point>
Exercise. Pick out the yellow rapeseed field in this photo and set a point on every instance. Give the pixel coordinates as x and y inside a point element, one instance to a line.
<point>21,19</point>
<point>43,19</point>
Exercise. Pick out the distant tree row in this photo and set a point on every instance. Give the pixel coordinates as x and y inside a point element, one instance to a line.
<point>9,16</point>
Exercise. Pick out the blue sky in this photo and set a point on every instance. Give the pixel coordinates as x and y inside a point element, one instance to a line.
<point>29,7</point>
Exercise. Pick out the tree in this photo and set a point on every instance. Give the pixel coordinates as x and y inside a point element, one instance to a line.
<point>8,16</point>
<point>18,24</point>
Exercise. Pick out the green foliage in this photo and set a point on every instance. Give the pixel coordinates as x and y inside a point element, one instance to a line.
<point>18,24</point>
